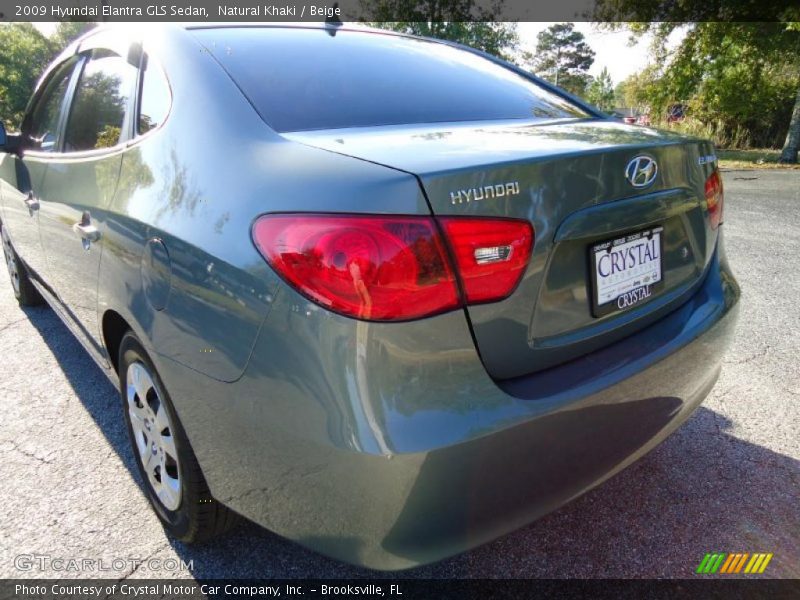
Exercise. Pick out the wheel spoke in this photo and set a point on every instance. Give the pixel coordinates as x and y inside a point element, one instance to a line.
<point>134,374</point>
<point>167,495</point>
<point>154,483</point>
<point>170,488</point>
<point>149,460</point>
<point>168,445</point>
<point>140,379</point>
<point>137,422</point>
<point>161,420</point>
<point>141,444</point>
<point>135,410</point>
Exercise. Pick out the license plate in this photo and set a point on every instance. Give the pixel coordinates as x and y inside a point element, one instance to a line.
<point>626,271</point>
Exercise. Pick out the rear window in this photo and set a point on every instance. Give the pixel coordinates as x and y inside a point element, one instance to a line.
<point>306,79</point>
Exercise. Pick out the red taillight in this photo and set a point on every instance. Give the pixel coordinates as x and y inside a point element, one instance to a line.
<point>374,268</point>
<point>491,255</point>
<point>394,268</point>
<point>714,199</point>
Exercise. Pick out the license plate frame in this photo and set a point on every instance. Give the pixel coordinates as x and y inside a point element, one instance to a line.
<point>607,298</point>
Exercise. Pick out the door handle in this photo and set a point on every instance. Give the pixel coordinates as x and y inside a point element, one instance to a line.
<point>88,232</point>
<point>32,203</point>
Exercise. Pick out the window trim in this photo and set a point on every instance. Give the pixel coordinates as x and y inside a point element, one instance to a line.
<point>65,101</point>
<point>40,88</point>
<point>109,41</point>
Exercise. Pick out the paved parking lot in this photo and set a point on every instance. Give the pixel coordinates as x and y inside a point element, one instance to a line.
<point>728,480</point>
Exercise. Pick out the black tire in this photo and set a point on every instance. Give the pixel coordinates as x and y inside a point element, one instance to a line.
<point>199,516</point>
<point>24,290</point>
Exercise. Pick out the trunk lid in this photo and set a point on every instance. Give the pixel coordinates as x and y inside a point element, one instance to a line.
<point>569,180</point>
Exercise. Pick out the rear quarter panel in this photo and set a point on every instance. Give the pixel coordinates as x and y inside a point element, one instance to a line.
<point>197,184</point>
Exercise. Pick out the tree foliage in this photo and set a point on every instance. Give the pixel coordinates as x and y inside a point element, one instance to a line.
<point>67,32</point>
<point>601,91</point>
<point>454,20</point>
<point>24,54</point>
<point>562,57</point>
<point>739,80</point>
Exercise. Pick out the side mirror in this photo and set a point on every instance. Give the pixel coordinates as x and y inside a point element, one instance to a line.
<point>9,142</point>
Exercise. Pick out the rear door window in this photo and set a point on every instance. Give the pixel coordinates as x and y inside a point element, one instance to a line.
<point>306,79</point>
<point>99,107</point>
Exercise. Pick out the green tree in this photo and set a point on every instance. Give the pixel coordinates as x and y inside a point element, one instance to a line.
<point>737,79</point>
<point>24,54</point>
<point>454,20</point>
<point>601,91</point>
<point>67,32</point>
<point>639,89</point>
<point>562,57</point>
<point>740,80</point>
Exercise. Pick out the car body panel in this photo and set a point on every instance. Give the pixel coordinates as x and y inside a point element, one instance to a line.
<point>434,457</point>
<point>566,172</point>
<point>71,187</point>
<point>438,148</point>
<point>18,180</point>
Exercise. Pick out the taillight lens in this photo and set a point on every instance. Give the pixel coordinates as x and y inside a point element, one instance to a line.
<point>491,255</point>
<point>394,268</point>
<point>373,268</point>
<point>714,199</point>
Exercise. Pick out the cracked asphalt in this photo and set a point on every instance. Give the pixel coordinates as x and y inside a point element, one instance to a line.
<point>728,480</point>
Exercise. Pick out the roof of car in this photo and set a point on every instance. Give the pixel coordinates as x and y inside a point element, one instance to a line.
<point>323,26</point>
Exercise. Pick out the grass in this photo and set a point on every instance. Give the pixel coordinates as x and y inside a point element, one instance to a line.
<point>752,159</point>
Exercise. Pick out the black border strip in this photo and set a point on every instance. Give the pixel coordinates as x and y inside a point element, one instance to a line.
<point>209,11</point>
<point>401,588</point>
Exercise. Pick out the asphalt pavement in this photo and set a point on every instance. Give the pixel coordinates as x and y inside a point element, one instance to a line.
<point>727,481</point>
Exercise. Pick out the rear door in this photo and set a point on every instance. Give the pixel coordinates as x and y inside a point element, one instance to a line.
<point>22,177</point>
<point>82,178</point>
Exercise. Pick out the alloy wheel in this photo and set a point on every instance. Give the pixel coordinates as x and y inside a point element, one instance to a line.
<point>154,436</point>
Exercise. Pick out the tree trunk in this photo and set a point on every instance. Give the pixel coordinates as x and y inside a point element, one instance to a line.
<point>792,144</point>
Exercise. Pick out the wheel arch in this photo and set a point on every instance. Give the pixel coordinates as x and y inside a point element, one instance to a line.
<point>113,327</point>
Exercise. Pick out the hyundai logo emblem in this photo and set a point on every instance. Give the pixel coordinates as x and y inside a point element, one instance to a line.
<point>641,171</point>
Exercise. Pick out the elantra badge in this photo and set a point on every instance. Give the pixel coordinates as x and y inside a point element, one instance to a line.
<point>641,171</point>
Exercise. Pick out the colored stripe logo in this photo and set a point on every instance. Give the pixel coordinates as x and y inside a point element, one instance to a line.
<point>740,562</point>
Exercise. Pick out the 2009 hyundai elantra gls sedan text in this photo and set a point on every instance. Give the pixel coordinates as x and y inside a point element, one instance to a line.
<point>388,297</point>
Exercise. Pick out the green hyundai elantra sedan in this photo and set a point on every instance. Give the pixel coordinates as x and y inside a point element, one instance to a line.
<point>386,296</point>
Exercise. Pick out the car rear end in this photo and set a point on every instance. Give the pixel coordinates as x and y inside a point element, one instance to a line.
<point>425,382</point>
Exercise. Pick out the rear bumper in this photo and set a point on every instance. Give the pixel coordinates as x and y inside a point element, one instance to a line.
<point>346,438</point>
